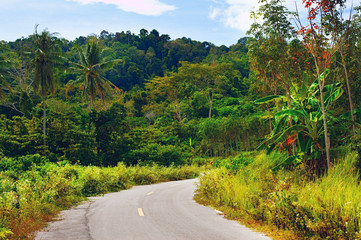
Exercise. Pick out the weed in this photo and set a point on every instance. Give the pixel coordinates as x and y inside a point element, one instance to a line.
<point>328,207</point>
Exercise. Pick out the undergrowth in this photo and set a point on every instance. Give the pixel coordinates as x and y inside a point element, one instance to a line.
<point>32,194</point>
<point>326,207</point>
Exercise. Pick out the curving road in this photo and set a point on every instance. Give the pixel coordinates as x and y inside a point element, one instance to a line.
<point>163,211</point>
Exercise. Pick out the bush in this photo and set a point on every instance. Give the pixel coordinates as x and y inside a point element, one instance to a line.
<point>30,197</point>
<point>164,155</point>
<point>22,163</point>
<point>325,208</point>
<point>233,164</point>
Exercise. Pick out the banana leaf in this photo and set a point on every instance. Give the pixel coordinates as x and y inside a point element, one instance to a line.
<point>304,142</point>
<point>288,161</point>
<point>292,113</point>
<point>333,92</point>
<point>269,99</point>
<point>289,131</point>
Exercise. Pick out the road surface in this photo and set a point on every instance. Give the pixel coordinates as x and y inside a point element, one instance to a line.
<point>164,211</point>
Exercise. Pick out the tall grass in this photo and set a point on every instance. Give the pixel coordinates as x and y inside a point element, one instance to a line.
<point>328,207</point>
<point>30,198</point>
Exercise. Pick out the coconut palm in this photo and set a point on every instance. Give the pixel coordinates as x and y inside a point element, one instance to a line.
<point>44,57</point>
<point>91,67</point>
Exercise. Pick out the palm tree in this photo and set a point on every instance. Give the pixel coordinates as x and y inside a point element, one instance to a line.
<point>91,67</point>
<point>45,56</point>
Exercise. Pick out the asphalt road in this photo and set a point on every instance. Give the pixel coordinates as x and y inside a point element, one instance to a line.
<point>163,211</point>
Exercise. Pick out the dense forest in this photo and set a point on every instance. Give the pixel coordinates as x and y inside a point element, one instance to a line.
<point>99,100</point>
<point>291,91</point>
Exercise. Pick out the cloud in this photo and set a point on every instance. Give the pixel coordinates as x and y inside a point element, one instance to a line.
<point>144,7</point>
<point>236,13</point>
<point>233,13</point>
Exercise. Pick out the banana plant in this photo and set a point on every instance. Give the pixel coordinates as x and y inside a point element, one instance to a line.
<point>306,131</point>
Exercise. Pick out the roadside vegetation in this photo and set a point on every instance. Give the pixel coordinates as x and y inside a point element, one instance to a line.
<point>285,202</point>
<point>33,190</point>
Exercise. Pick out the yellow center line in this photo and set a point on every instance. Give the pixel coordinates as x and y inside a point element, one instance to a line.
<point>150,193</point>
<point>140,212</point>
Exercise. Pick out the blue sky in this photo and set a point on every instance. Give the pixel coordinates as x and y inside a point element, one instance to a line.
<point>221,22</point>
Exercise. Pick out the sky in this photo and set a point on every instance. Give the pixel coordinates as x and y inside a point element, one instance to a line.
<point>221,22</point>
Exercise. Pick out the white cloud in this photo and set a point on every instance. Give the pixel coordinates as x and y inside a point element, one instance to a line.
<point>144,7</point>
<point>215,12</point>
<point>233,13</point>
<point>236,13</point>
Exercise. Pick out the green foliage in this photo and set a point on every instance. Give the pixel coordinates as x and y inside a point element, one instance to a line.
<point>232,164</point>
<point>110,127</point>
<point>32,189</point>
<point>91,68</point>
<point>307,124</point>
<point>22,163</point>
<point>225,136</point>
<point>165,155</point>
<point>19,136</point>
<point>324,208</point>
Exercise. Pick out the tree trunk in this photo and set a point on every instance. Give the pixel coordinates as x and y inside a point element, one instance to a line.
<point>210,109</point>
<point>289,105</point>
<point>348,89</point>
<point>324,115</point>
<point>44,120</point>
<point>91,104</point>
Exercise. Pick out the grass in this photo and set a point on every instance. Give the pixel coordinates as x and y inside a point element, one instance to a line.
<point>328,207</point>
<point>29,198</point>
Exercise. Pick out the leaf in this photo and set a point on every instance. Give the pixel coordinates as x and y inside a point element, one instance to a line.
<point>4,233</point>
<point>324,75</point>
<point>288,161</point>
<point>292,113</point>
<point>304,142</point>
<point>279,124</point>
<point>290,130</point>
<point>269,99</point>
<point>333,92</point>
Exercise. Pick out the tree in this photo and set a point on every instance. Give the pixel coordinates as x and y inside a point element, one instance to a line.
<point>110,128</point>
<point>348,32</point>
<point>91,67</point>
<point>205,78</point>
<point>168,89</point>
<point>270,54</point>
<point>322,40</point>
<point>4,64</point>
<point>45,56</point>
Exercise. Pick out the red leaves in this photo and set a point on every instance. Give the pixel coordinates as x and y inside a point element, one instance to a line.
<point>308,3</point>
<point>313,6</point>
<point>290,140</point>
<point>325,55</point>
<point>327,6</point>
<point>301,31</point>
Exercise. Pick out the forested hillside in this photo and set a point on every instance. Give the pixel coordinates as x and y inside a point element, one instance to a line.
<point>125,97</point>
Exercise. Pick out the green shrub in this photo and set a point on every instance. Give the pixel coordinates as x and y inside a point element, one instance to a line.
<point>160,154</point>
<point>22,163</point>
<point>233,164</point>
<point>325,208</point>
